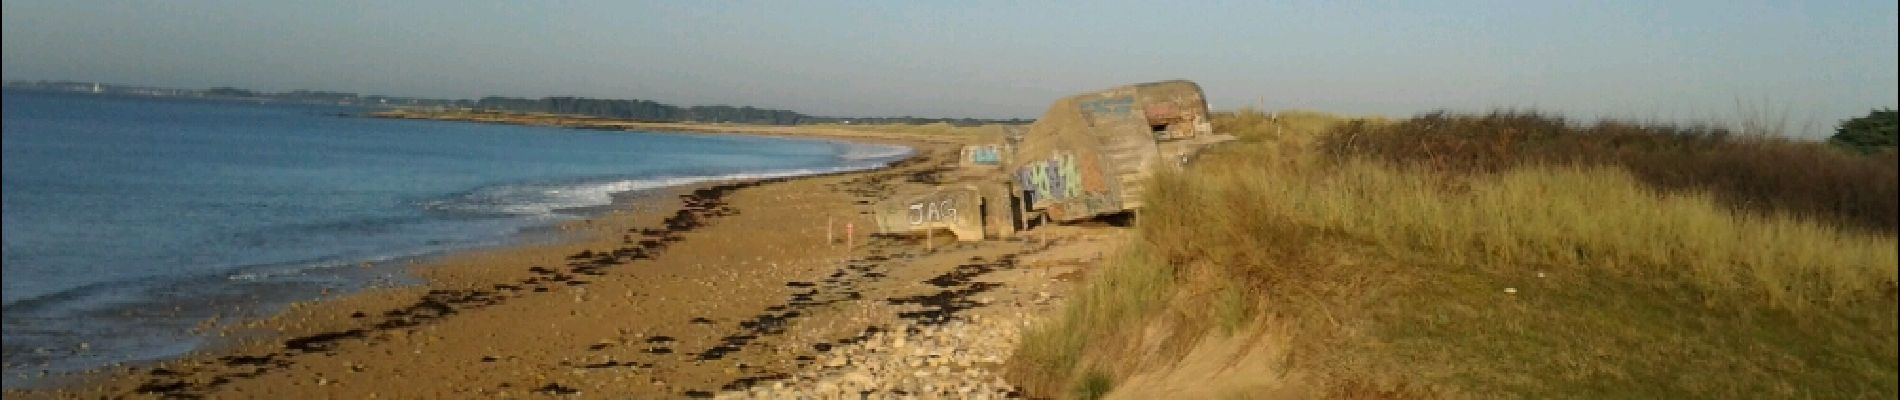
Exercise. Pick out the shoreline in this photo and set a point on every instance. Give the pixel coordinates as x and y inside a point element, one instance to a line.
<point>313,325</point>
<point>543,317</point>
<point>195,328</point>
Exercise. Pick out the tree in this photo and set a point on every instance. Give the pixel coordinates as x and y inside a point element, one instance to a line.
<point>226,91</point>
<point>1870,134</point>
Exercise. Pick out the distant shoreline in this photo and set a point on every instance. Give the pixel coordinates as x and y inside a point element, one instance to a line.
<point>613,124</point>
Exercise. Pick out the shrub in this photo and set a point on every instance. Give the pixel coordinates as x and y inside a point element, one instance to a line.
<point>1870,134</point>
<point>1756,174</point>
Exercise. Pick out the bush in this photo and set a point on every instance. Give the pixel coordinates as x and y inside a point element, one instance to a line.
<point>1756,174</point>
<point>1870,134</point>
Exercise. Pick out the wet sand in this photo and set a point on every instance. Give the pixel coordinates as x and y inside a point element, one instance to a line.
<point>721,288</point>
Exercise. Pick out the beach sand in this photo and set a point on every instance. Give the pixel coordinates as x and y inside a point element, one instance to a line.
<point>726,289</point>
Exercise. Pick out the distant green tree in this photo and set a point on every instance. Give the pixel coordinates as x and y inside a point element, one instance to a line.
<point>1872,133</point>
<point>225,91</point>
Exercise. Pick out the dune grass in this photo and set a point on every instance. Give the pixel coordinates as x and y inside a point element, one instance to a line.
<point>1752,172</point>
<point>1543,279</point>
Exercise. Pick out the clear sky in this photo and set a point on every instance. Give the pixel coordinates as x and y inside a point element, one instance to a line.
<point>1818,61</point>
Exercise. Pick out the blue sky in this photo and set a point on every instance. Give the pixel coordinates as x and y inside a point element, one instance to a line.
<point>1817,61</point>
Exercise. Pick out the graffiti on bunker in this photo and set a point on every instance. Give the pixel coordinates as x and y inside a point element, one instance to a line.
<point>983,154</point>
<point>1057,178</point>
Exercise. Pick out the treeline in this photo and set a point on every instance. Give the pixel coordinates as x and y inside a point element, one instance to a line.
<point>639,110</point>
<point>647,110</point>
<point>919,121</point>
<point>642,110</point>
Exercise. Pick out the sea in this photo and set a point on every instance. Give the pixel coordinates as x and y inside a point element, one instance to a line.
<point>130,221</point>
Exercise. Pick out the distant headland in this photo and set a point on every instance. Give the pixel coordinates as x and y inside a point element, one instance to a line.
<point>628,109</point>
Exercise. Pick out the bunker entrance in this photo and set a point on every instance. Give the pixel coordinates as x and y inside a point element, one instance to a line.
<point>1169,128</point>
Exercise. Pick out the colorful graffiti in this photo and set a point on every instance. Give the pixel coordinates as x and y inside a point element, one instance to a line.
<point>1057,178</point>
<point>1109,106</point>
<point>983,154</point>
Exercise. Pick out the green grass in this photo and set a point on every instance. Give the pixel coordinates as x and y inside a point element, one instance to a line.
<point>1391,279</point>
<point>1128,287</point>
<point>1094,385</point>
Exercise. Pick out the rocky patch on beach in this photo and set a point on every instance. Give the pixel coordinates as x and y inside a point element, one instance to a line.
<point>936,351</point>
<point>956,359</point>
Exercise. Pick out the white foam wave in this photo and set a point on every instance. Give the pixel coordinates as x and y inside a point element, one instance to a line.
<point>873,151</point>
<point>263,272</point>
<point>548,199</point>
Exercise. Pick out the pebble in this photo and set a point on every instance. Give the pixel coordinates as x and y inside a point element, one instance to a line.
<point>949,361</point>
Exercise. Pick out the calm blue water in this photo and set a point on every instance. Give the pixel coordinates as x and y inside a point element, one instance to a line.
<point>128,220</point>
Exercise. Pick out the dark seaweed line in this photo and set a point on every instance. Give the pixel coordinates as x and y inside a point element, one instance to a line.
<point>700,206</point>
<point>774,319</point>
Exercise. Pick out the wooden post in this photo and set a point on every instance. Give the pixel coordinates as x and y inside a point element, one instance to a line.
<point>930,238</point>
<point>1044,236</point>
<point>1022,211</point>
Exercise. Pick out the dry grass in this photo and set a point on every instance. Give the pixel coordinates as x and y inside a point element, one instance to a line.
<point>1391,281</point>
<point>1296,128</point>
<point>1746,171</point>
<point>1127,287</point>
<point>1592,218</point>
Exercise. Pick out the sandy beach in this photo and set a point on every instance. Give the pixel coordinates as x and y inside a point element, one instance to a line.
<point>727,289</point>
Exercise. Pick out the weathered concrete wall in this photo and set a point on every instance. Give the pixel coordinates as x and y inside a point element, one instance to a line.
<point>984,156</point>
<point>956,208</point>
<point>1091,154</point>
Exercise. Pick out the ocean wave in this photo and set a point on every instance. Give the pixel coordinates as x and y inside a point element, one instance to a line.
<point>129,291</point>
<point>552,198</point>
<point>873,151</point>
<point>304,268</point>
<point>544,200</point>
